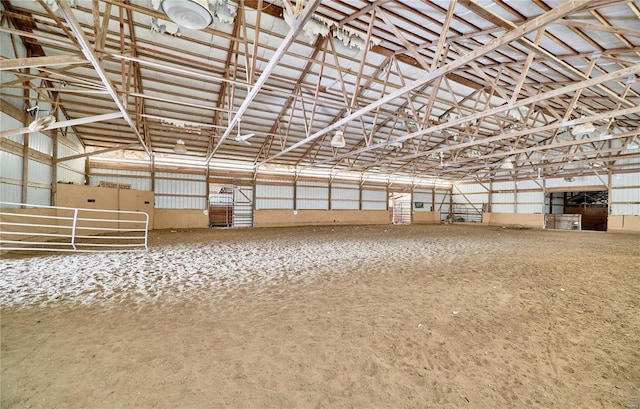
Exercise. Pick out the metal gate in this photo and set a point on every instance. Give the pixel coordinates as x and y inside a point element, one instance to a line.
<point>401,208</point>
<point>221,207</point>
<point>231,206</point>
<point>242,206</point>
<point>53,228</point>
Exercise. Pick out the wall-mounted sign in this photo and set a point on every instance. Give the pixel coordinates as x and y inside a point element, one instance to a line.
<point>114,185</point>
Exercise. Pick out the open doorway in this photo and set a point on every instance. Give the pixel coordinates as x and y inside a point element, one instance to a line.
<point>400,208</point>
<point>586,209</point>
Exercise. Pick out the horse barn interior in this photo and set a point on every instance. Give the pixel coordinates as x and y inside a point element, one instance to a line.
<point>320,203</point>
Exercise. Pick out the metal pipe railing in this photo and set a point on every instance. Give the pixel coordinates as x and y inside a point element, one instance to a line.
<point>77,229</point>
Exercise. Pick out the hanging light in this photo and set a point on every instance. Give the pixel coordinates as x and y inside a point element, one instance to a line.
<point>338,140</point>
<point>507,164</point>
<point>180,147</point>
<point>193,14</point>
<point>582,129</point>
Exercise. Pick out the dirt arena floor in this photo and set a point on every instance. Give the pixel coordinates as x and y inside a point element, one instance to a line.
<point>445,316</point>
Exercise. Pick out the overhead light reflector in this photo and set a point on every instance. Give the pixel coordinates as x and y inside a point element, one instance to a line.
<point>507,164</point>
<point>338,140</point>
<point>582,129</point>
<point>180,147</point>
<point>193,14</point>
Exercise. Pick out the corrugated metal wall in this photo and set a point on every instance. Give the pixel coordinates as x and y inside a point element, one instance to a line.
<point>625,195</point>
<point>374,199</point>
<point>312,195</point>
<point>70,171</point>
<point>41,143</point>
<point>424,196</point>
<point>180,191</point>
<point>272,196</point>
<point>593,181</point>
<point>530,202</point>
<point>139,180</point>
<point>345,196</point>
<point>473,196</point>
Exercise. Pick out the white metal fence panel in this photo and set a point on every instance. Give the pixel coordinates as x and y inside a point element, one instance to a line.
<point>64,229</point>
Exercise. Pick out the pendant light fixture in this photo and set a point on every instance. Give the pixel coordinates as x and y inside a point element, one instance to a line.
<point>180,147</point>
<point>193,14</point>
<point>338,140</point>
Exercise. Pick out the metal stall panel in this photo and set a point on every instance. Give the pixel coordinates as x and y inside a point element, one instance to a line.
<point>243,206</point>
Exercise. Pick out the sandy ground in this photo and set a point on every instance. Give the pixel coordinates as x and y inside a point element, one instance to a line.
<point>334,317</point>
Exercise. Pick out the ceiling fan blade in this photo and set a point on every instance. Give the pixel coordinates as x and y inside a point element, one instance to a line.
<point>63,124</point>
<point>242,140</point>
<point>244,137</point>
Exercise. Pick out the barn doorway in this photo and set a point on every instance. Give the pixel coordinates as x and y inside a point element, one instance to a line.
<point>400,208</point>
<point>230,206</point>
<point>586,209</point>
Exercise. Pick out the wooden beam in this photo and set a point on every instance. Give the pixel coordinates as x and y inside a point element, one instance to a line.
<point>49,61</point>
